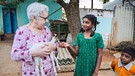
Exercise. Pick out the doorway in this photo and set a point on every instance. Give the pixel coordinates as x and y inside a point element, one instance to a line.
<point>9,20</point>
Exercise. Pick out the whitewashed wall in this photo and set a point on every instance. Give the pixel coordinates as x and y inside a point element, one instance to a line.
<point>105,19</point>
<point>97,12</point>
<point>123,25</point>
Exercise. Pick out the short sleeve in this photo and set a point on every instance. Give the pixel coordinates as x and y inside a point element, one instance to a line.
<point>132,69</point>
<point>100,43</point>
<point>76,43</point>
<point>114,62</point>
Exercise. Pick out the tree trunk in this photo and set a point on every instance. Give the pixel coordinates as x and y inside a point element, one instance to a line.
<point>73,16</point>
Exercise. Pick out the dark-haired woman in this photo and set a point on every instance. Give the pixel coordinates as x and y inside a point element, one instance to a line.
<point>88,48</point>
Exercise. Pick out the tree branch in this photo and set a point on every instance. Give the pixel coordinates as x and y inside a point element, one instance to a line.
<point>62,3</point>
<point>72,1</point>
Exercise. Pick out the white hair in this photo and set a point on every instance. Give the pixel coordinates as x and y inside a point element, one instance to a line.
<point>36,9</point>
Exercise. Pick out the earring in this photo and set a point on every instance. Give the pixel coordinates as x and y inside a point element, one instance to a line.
<point>93,28</point>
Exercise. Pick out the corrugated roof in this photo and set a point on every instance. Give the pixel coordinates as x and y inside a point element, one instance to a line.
<point>64,57</point>
<point>111,5</point>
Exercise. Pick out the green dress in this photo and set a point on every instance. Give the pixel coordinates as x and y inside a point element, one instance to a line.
<point>87,54</point>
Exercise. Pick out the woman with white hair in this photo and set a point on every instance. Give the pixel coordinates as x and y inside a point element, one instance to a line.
<point>27,35</point>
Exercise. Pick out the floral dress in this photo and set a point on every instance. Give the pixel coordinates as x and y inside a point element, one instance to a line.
<point>23,40</point>
<point>87,54</point>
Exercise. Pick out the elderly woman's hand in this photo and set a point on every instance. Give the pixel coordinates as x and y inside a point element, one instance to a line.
<point>40,50</point>
<point>51,46</point>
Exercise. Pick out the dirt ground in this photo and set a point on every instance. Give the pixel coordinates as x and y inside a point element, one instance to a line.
<point>12,68</point>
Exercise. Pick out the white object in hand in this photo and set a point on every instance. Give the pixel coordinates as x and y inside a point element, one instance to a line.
<point>38,60</point>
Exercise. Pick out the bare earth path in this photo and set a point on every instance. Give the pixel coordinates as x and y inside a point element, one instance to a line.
<point>12,68</point>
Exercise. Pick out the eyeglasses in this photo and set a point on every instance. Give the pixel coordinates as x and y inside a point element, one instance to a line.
<point>44,17</point>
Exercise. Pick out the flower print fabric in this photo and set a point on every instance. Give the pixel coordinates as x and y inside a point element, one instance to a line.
<point>24,39</point>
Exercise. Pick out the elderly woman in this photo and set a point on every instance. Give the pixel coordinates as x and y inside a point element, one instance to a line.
<point>27,35</point>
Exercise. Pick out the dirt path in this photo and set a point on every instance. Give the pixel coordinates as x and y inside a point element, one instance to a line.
<point>12,68</point>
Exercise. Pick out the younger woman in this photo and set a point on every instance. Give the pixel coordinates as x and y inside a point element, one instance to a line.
<point>88,48</point>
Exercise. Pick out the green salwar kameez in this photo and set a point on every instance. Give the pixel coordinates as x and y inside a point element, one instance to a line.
<point>87,54</point>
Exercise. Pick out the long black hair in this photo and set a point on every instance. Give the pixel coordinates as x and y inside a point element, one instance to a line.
<point>93,20</point>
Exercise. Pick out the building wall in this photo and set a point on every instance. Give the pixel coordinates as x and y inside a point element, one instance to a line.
<point>122,25</point>
<point>1,22</point>
<point>22,16</point>
<point>97,4</point>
